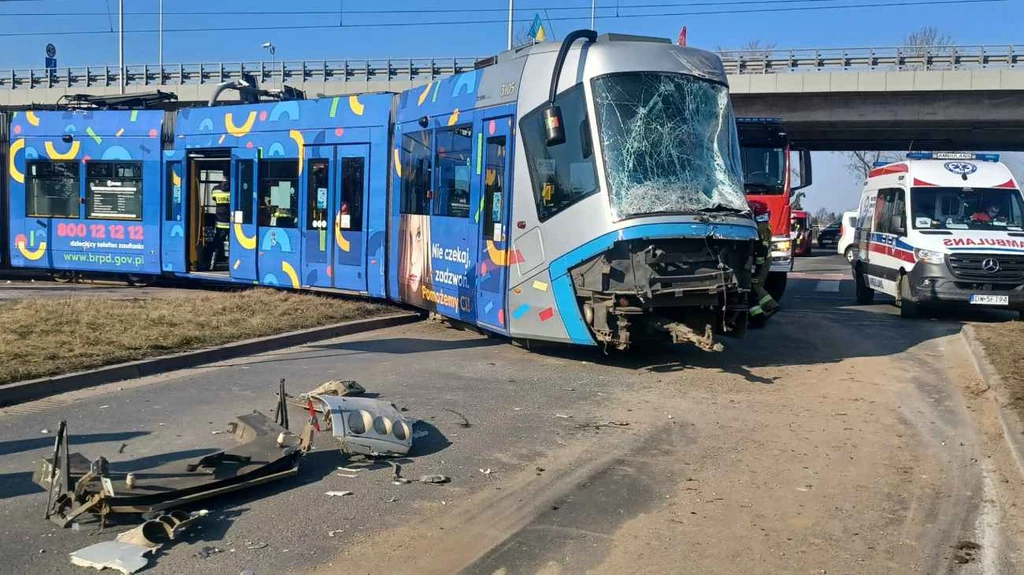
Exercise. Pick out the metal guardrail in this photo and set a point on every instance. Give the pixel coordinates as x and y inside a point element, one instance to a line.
<point>382,71</point>
<point>385,70</point>
<point>772,61</point>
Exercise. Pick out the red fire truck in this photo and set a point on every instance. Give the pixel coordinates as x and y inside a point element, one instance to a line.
<point>767,176</point>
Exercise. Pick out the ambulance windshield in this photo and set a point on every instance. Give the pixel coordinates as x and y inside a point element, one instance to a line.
<point>966,209</point>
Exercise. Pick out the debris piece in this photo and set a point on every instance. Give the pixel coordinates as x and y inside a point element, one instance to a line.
<point>366,426</point>
<point>540,468</point>
<point>206,552</point>
<point>563,416</point>
<point>104,406</point>
<point>336,387</point>
<point>44,431</point>
<point>124,557</point>
<point>76,486</point>
<point>252,546</point>
<point>121,449</point>
<point>349,475</point>
<point>486,471</point>
<point>436,478</point>
<point>401,481</point>
<point>351,470</point>
<point>619,423</point>
<point>465,420</point>
<point>217,432</point>
<point>338,493</point>
<point>392,500</point>
<point>334,532</point>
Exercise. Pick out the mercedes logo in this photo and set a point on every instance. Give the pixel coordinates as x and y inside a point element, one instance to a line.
<point>990,265</point>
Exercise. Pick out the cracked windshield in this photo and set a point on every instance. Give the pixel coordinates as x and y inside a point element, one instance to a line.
<point>669,144</point>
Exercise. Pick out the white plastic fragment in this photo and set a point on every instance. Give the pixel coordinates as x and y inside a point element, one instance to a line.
<point>124,557</point>
<point>334,532</point>
<point>338,493</point>
<point>486,471</point>
<point>349,475</point>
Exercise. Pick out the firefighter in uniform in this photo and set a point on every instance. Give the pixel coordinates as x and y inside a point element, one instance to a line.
<point>764,304</point>
<point>222,202</point>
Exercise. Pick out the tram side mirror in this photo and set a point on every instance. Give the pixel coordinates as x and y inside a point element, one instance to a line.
<point>803,170</point>
<point>554,130</point>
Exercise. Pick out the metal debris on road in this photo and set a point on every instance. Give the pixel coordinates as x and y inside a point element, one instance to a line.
<point>348,475</point>
<point>334,532</point>
<point>207,551</point>
<point>252,546</point>
<point>486,471</point>
<point>351,470</point>
<point>465,420</point>
<point>366,426</point>
<point>434,479</point>
<point>338,493</point>
<point>121,449</point>
<point>562,416</point>
<point>44,431</point>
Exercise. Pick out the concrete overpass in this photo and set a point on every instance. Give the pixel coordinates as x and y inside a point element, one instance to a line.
<point>836,99</point>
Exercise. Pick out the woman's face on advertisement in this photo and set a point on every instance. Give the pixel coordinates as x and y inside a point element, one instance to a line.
<point>415,255</point>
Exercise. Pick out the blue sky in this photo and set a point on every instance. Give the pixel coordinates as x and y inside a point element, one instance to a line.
<point>402,33</point>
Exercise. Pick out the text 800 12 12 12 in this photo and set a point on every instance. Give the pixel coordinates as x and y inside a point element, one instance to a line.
<point>100,231</point>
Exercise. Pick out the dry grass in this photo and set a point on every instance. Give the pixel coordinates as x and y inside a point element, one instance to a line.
<point>1002,343</point>
<point>50,336</point>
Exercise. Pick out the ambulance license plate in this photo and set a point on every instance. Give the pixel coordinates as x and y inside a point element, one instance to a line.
<point>984,299</point>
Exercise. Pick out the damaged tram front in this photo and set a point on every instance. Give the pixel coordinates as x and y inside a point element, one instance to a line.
<point>638,206</point>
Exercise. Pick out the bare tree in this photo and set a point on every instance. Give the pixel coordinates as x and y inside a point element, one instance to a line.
<point>752,50</point>
<point>860,164</point>
<point>919,42</point>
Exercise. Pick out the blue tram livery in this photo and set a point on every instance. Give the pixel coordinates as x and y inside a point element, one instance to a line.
<point>588,192</point>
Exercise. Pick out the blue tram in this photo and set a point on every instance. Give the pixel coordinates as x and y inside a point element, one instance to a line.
<point>589,192</point>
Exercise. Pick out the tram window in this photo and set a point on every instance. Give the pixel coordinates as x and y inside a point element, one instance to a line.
<point>52,189</point>
<point>494,188</point>
<point>451,190</point>
<point>316,195</point>
<point>278,193</point>
<point>564,174</point>
<point>416,173</point>
<point>353,180</point>
<point>246,190</point>
<point>113,190</point>
<point>172,210</point>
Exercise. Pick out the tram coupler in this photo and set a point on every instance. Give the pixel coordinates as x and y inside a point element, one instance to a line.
<point>682,333</point>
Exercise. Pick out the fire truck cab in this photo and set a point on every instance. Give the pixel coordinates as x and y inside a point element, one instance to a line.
<point>765,149</point>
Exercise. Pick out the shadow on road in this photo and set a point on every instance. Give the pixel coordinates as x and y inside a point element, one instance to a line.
<point>812,328</point>
<point>20,445</point>
<point>407,345</point>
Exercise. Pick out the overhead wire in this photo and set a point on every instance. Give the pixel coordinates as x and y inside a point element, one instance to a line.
<point>895,4</point>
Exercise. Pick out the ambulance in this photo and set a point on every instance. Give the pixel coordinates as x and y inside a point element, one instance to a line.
<point>939,230</point>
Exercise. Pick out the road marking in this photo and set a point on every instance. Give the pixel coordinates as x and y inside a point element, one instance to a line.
<point>827,285</point>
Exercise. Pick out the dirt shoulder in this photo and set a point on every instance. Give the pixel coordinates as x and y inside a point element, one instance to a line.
<point>51,336</point>
<point>1002,346</point>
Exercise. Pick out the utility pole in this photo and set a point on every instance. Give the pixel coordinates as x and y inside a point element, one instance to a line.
<point>593,13</point>
<point>160,43</point>
<point>511,10</point>
<point>120,44</point>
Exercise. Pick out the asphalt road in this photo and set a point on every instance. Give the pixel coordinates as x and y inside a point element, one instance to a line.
<point>838,439</point>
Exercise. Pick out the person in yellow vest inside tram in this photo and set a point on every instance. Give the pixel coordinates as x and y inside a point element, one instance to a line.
<point>222,202</point>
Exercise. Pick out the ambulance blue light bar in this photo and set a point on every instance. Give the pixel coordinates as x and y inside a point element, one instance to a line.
<point>953,156</point>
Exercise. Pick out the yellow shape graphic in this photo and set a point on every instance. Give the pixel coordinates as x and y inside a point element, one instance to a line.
<point>356,106</point>
<point>290,272</point>
<point>340,239</point>
<point>55,155</point>
<point>32,118</point>
<point>497,256</point>
<point>301,143</point>
<point>239,131</point>
<point>246,242</point>
<point>426,92</point>
<point>398,163</point>
<point>119,132</point>
<point>539,285</point>
<point>175,179</point>
<point>33,255</point>
<point>17,146</point>
<point>454,117</point>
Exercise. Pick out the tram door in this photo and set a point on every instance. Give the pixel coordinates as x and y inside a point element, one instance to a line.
<point>494,233</point>
<point>333,236</point>
<point>173,227</point>
<point>242,250</point>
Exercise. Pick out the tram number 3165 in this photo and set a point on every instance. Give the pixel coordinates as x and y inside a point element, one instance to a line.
<point>507,89</point>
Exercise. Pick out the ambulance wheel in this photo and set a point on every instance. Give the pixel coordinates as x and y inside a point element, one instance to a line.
<point>908,308</point>
<point>865,295</point>
<point>848,254</point>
